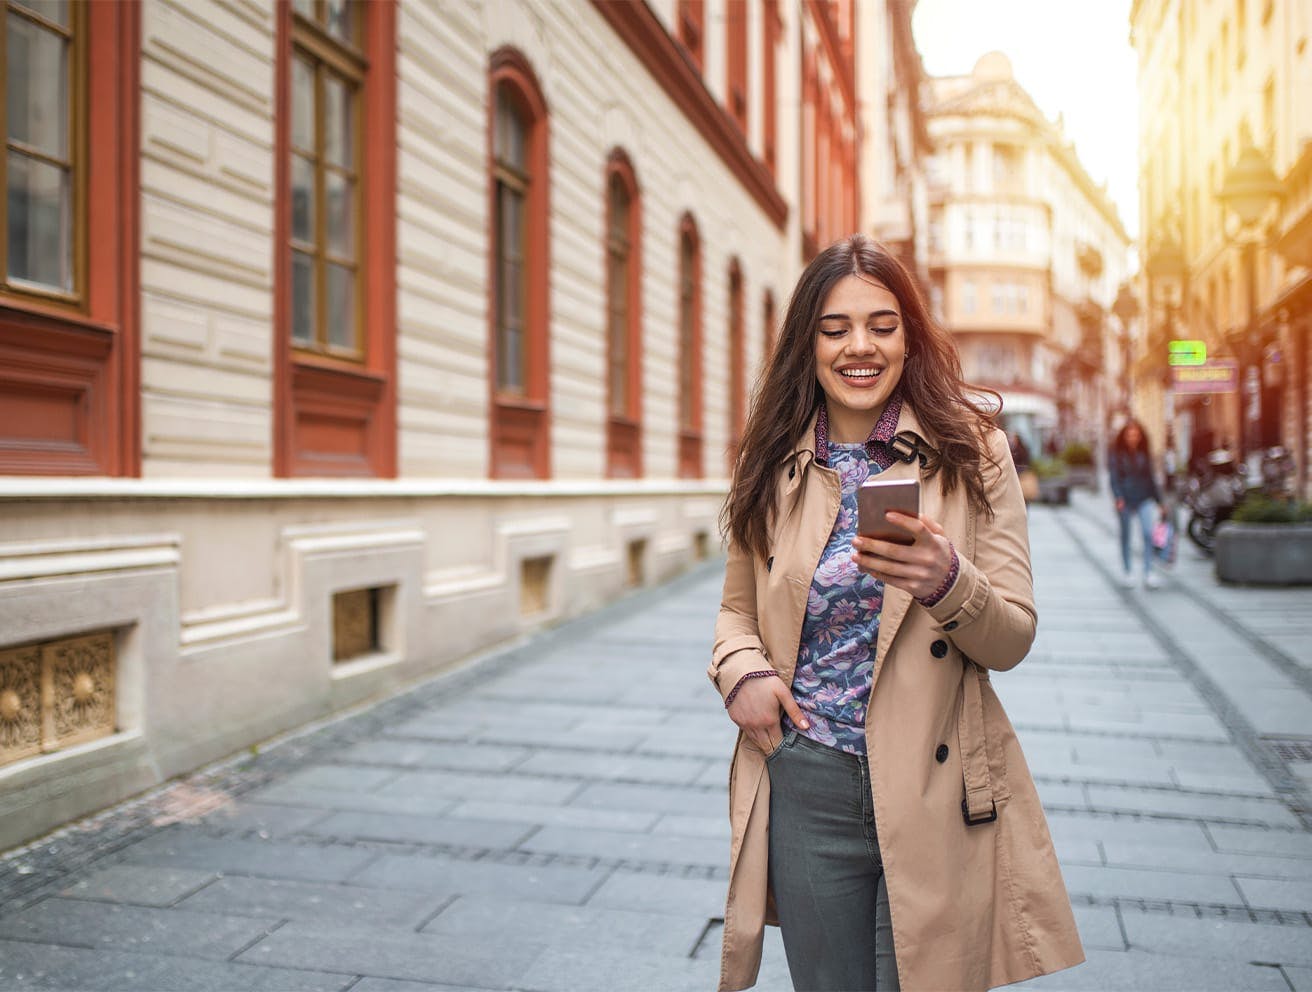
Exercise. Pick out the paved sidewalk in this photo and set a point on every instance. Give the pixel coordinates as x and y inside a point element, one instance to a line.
<point>553,817</point>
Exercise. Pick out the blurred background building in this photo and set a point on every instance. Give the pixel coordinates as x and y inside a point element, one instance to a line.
<point>1026,255</point>
<point>1225,184</point>
<point>339,340</point>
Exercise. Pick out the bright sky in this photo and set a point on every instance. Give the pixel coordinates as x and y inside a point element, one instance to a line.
<point>1072,56</point>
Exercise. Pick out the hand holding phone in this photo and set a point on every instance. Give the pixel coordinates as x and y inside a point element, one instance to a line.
<point>876,497</point>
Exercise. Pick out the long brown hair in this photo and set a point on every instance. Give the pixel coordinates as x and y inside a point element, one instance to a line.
<point>787,393</point>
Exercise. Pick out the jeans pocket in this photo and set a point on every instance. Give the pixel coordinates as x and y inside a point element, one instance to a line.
<point>785,741</point>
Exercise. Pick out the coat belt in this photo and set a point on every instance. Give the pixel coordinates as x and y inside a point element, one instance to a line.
<point>978,805</point>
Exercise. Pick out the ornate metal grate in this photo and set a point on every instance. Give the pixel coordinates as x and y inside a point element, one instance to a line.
<point>56,694</point>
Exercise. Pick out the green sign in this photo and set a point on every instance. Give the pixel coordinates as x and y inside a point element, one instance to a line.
<point>1187,353</point>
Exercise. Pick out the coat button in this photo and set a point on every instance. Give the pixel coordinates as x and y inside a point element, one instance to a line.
<point>950,625</point>
<point>769,563</point>
<point>939,649</point>
<point>941,754</point>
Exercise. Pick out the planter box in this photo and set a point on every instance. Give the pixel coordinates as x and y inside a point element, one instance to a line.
<point>1264,554</point>
<point>1083,475</point>
<point>1056,490</point>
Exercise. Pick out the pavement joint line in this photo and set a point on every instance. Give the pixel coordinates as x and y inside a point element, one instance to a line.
<point>442,907</point>
<point>711,922</point>
<point>1242,733</point>
<point>1119,735</point>
<point>251,943</point>
<point>1289,666</point>
<point>1200,910</point>
<point>1150,787</point>
<point>1222,821</point>
<point>44,863</point>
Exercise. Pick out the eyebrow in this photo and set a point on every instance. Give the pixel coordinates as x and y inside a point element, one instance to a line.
<point>873,313</point>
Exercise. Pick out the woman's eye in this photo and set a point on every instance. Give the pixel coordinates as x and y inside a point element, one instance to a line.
<point>833,332</point>
<point>885,329</point>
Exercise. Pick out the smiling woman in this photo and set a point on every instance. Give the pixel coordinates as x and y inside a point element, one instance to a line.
<point>877,794</point>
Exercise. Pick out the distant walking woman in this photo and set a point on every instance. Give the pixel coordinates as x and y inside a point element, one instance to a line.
<point>1130,465</point>
<point>882,812</point>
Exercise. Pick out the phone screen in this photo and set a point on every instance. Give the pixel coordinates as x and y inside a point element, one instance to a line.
<point>876,497</point>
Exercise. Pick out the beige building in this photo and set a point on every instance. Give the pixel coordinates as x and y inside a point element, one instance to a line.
<point>339,341</point>
<point>1026,254</point>
<point>1217,80</point>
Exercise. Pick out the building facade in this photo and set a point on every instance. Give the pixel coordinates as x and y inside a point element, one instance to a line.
<point>1026,255</point>
<point>340,340</point>
<point>1223,101</point>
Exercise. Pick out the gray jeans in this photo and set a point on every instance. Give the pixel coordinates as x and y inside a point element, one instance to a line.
<point>825,870</point>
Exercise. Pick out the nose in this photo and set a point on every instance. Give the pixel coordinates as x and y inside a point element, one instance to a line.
<point>861,341</point>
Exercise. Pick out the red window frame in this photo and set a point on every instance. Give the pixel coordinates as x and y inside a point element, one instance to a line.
<point>70,393</point>
<point>735,86</point>
<point>689,284</point>
<point>737,361</point>
<point>690,28</point>
<point>520,428</point>
<point>624,427</point>
<point>334,417</point>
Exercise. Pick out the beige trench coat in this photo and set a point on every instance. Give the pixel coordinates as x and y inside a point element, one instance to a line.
<point>973,906</point>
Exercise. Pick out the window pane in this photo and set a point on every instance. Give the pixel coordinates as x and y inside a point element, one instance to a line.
<point>509,374</point>
<point>341,307</point>
<point>508,140</point>
<point>303,105</point>
<point>339,19</point>
<point>339,134</point>
<point>302,199</point>
<point>341,215</point>
<point>304,7</point>
<point>36,87</point>
<point>40,225</point>
<point>52,10</point>
<point>302,298</point>
<point>512,224</point>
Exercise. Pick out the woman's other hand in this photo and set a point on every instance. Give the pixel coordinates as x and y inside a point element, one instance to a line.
<point>756,710</point>
<point>920,567</point>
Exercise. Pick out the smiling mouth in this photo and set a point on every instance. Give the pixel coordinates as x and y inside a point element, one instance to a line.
<point>860,375</point>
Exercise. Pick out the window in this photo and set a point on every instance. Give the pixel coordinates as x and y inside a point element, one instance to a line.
<point>770,43</point>
<point>69,399</point>
<point>335,218</point>
<point>737,361</point>
<point>968,301</point>
<point>44,163</point>
<point>735,88</point>
<point>518,243</point>
<point>690,351</point>
<point>623,318</point>
<point>690,28</point>
<point>327,76</point>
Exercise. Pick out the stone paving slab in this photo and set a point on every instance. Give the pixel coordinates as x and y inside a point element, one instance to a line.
<point>190,849</point>
<point>318,803</point>
<point>488,919</point>
<point>558,816</point>
<point>368,984</point>
<point>1193,805</point>
<point>74,923</point>
<point>142,885</point>
<point>277,899</point>
<point>656,799</point>
<point>538,883</point>
<point>1249,840</point>
<point>265,819</point>
<point>1222,939</point>
<point>1105,970</point>
<point>1119,854</point>
<point>1299,978</point>
<point>662,894</point>
<point>38,966</point>
<point>423,754</point>
<point>352,826</point>
<point>571,969</point>
<point>1132,883</point>
<point>624,846</point>
<point>426,957</point>
<point>1273,893</point>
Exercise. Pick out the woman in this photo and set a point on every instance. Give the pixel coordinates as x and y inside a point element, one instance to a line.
<point>1130,465</point>
<point>882,813</point>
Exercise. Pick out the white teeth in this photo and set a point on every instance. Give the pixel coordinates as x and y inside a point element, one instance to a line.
<point>859,373</point>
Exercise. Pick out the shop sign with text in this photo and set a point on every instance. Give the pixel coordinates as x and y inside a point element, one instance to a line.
<point>1216,375</point>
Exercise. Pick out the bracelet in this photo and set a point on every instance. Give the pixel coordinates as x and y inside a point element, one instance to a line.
<point>750,675</point>
<point>954,570</point>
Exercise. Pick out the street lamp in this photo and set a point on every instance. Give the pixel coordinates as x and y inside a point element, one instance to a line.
<point>1248,189</point>
<point>1126,308</point>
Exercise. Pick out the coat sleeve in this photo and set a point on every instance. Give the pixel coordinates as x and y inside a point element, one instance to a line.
<point>989,611</point>
<point>738,648</point>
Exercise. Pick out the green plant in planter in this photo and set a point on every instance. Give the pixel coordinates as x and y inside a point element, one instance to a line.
<point>1077,453</point>
<point>1048,468</point>
<point>1259,509</point>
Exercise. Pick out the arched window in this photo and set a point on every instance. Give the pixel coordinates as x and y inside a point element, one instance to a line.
<point>623,319</point>
<point>690,350</point>
<point>518,243</point>
<point>737,360</point>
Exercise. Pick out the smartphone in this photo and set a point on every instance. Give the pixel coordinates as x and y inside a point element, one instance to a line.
<point>878,496</point>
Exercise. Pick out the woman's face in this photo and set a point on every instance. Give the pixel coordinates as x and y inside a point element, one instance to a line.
<point>1133,436</point>
<point>860,349</point>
